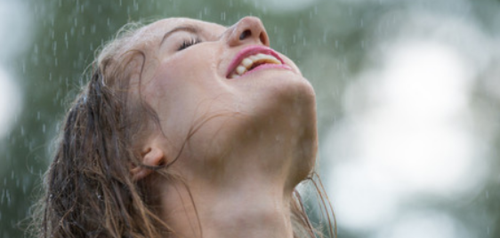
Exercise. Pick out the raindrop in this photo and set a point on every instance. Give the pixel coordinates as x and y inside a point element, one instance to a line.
<point>136,5</point>
<point>66,39</point>
<point>54,48</point>
<point>223,16</point>
<point>43,128</point>
<point>99,196</point>
<point>7,195</point>
<point>38,115</point>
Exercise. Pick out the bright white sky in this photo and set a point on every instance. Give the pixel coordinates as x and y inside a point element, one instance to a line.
<point>9,102</point>
<point>13,35</point>
<point>411,141</point>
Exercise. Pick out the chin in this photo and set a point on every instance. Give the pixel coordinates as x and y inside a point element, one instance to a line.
<point>290,102</point>
<point>299,97</point>
<point>307,144</point>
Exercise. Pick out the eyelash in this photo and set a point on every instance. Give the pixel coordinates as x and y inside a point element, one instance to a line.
<point>187,43</point>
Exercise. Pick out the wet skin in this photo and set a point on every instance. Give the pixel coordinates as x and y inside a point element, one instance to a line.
<point>255,136</point>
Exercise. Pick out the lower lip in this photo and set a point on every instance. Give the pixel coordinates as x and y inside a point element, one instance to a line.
<point>267,66</point>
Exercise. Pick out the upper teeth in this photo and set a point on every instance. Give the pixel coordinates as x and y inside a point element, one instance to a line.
<point>247,63</point>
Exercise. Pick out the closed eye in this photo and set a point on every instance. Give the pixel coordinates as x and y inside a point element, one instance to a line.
<point>187,43</point>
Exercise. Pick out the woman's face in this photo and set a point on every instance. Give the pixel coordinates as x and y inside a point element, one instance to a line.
<point>225,86</point>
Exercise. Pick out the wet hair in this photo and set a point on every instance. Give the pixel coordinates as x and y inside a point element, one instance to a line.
<point>89,191</point>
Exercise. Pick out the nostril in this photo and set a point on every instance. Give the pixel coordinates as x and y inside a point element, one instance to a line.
<point>245,34</point>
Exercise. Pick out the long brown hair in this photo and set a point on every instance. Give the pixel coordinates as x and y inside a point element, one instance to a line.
<point>88,188</point>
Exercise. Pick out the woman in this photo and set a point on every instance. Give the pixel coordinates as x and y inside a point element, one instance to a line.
<point>186,129</point>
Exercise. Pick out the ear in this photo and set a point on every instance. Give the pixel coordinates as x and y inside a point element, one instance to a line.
<point>151,156</point>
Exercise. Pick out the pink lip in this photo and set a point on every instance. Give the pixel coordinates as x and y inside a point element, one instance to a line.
<point>252,50</point>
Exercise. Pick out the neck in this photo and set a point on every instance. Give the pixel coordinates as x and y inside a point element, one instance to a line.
<point>242,190</point>
<point>249,211</point>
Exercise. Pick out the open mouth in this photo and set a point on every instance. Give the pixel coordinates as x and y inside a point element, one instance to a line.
<point>252,58</point>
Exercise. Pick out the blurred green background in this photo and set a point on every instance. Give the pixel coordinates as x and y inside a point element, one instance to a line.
<point>408,96</point>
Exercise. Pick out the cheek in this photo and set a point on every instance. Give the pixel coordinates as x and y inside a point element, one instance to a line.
<point>182,93</point>
<point>290,63</point>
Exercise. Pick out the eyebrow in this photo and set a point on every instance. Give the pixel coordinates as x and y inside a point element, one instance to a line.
<point>188,28</point>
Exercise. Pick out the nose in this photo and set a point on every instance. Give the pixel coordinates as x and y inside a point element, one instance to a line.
<point>248,30</point>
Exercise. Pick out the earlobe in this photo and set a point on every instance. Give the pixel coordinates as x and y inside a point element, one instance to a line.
<point>151,157</point>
